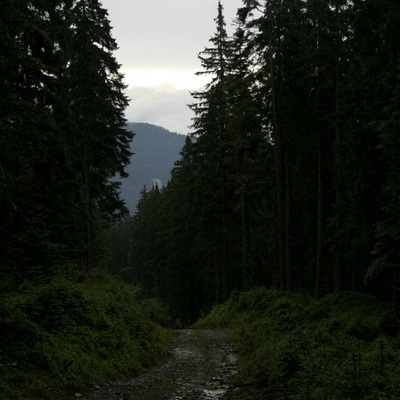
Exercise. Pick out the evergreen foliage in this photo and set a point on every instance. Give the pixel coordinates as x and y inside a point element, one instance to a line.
<point>289,178</point>
<point>62,139</point>
<point>62,133</point>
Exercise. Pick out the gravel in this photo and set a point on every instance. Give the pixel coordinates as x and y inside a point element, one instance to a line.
<point>200,367</point>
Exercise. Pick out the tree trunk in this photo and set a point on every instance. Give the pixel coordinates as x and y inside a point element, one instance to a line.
<point>287,224</point>
<point>246,271</point>
<point>89,227</point>
<point>277,136</point>
<point>338,220</point>
<point>225,272</point>
<point>318,269</point>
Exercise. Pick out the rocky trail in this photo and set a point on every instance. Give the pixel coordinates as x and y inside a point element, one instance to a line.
<point>200,367</point>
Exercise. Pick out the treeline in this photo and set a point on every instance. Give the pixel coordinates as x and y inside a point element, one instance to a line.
<point>62,140</point>
<point>290,177</point>
<point>62,135</point>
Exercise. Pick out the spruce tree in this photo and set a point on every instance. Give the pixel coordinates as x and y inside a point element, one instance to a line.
<point>100,141</point>
<point>360,167</point>
<point>55,53</point>
<point>187,270</point>
<point>211,116</point>
<point>34,163</point>
<point>246,155</point>
<point>383,274</point>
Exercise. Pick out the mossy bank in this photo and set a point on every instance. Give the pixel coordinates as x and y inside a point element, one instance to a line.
<point>63,336</point>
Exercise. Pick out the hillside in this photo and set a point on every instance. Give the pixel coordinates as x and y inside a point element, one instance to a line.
<point>291,346</point>
<point>155,151</point>
<point>61,336</point>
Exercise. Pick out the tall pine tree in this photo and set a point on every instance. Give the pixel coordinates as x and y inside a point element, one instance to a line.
<point>96,89</point>
<point>210,131</point>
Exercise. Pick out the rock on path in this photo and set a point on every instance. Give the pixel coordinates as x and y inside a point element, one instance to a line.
<point>199,369</point>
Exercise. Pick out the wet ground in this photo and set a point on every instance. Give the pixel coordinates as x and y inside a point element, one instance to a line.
<point>200,367</point>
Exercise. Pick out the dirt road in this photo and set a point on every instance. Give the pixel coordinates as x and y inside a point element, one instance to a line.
<point>199,369</point>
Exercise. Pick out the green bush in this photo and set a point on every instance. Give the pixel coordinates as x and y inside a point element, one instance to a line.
<point>335,348</point>
<point>67,335</point>
<point>59,306</point>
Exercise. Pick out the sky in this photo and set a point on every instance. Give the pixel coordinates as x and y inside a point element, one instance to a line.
<point>159,41</point>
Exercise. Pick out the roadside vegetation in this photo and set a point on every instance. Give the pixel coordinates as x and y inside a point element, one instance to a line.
<point>62,336</point>
<point>344,346</point>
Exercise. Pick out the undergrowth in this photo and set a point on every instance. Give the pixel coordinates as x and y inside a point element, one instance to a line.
<point>345,346</point>
<point>63,336</point>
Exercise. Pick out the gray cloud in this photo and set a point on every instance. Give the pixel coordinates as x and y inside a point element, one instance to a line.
<point>163,35</point>
<point>164,32</point>
<point>158,182</point>
<point>160,106</point>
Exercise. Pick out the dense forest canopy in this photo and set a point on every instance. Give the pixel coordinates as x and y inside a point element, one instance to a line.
<point>289,178</point>
<point>62,134</point>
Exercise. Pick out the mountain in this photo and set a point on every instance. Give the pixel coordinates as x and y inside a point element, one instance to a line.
<point>155,151</point>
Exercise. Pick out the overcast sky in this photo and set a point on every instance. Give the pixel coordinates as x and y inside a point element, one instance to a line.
<point>158,45</point>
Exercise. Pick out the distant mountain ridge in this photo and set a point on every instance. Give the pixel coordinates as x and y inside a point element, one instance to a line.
<point>155,151</point>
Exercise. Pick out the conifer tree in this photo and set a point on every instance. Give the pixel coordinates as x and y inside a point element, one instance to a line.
<point>187,271</point>
<point>62,94</point>
<point>145,260</point>
<point>359,168</point>
<point>211,116</point>
<point>383,274</point>
<point>34,162</point>
<point>96,90</point>
<point>278,36</point>
<point>246,155</point>
<point>290,177</point>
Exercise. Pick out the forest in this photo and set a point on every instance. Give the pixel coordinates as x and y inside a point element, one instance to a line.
<point>290,177</point>
<point>63,322</point>
<point>289,181</point>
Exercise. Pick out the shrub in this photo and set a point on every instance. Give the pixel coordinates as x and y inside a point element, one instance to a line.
<point>65,334</point>
<point>335,348</point>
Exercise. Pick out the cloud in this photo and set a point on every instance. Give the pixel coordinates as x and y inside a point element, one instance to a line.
<point>162,105</point>
<point>155,77</point>
<point>165,33</point>
<point>159,41</point>
<point>158,182</point>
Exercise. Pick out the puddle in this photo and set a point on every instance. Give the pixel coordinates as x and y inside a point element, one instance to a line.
<point>214,394</point>
<point>199,368</point>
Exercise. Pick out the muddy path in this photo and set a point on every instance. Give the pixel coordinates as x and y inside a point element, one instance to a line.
<point>200,367</point>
